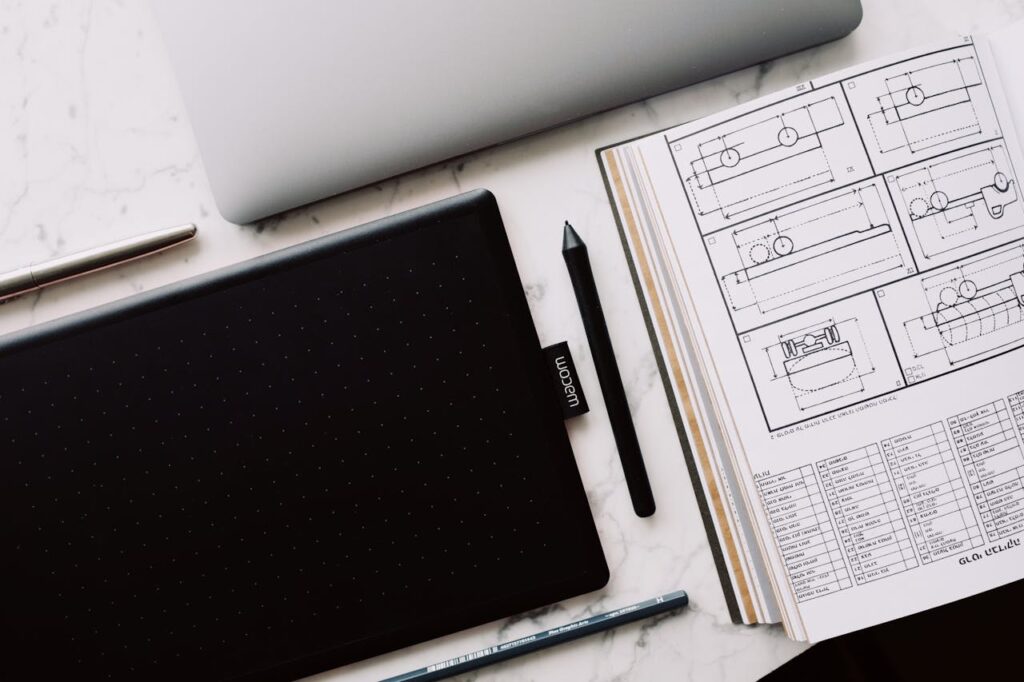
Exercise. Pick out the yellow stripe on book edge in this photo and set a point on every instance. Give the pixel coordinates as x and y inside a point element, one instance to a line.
<point>677,374</point>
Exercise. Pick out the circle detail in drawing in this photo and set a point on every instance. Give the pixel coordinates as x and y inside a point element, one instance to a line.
<point>948,296</point>
<point>918,208</point>
<point>1001,182</point>
<point>783,245</point>
<point>729,157</point>
<point>968,289</point>
<point>939,200</point>
<point>915,95</point>
<point>759,253</point>
<point>788,137</point>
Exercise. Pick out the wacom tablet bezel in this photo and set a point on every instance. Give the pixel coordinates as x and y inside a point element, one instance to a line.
<point>483,206</point>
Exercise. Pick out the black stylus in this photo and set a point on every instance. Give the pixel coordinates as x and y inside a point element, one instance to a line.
<point>576,260</point>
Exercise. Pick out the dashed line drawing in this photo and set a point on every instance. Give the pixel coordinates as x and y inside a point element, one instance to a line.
<point>975,308</point>
<point>753,165</point>
<point>927,106</point>
<point>822,363</point>
<point>960,200</point>
<point>922,107</point>
<point>833,242</point>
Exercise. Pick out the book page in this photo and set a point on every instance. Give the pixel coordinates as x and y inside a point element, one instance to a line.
<point>741,566</point>
<point>848,258</point>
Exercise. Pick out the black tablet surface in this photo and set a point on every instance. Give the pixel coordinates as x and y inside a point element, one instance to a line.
<point>311,458</point>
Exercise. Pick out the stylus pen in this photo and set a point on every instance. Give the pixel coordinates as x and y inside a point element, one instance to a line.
<point>32,277</point>
<point>575,253</point>
<point>542,640</point>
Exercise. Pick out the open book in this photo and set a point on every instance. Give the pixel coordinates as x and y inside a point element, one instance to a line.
<point>833,279</point>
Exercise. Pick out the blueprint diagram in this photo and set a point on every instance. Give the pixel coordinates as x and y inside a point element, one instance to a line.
<point>865,233</point>
<point>842,242</point>
<point>922,107</point>
<point>960,200</point>
<point>821,360</point>
<point>767,158</point>
<point>959,314</point>
<point>926,106</point>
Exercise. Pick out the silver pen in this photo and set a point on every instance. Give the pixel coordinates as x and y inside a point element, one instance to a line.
<point>32,277</point>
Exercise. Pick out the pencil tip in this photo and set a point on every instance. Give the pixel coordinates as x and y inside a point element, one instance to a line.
<point>570,239</point>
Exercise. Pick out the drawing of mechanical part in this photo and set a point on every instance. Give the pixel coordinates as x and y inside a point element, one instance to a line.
<point>772,247</point>
<point>811,342</point>
<point>817,360</point>
<point>934,88</point>
<point>965,312</point>
<point>768,140</point>
<point>927,106</point>
<point>974,309</point>
<point>757,163</point>
<point>996,197</point>
<point>830,224</point>
<point>787,136</point>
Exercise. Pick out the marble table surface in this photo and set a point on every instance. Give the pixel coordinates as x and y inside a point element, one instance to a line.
<point>95,146</point>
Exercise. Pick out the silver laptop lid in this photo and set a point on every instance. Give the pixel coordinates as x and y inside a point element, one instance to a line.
<point>293,101</point>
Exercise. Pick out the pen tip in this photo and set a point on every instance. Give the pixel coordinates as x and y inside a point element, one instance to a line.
<point>570,239</point>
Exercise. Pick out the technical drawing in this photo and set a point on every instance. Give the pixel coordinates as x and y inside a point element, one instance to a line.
<point>762,161</point>
<point>821,363</point>
<point>975,309</point>
<point>818,247</point>
<point>923,107</point>
<point>927,105</point>
<point>960,200</point>
<point>826,359</point>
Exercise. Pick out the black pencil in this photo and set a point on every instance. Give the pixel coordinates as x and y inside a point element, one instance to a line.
<point>576,260</point>
<point>542,640</point>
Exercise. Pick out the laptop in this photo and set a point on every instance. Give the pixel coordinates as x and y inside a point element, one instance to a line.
<point>295,101</point>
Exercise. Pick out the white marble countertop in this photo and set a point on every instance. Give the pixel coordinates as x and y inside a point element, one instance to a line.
<point>95,146</point>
